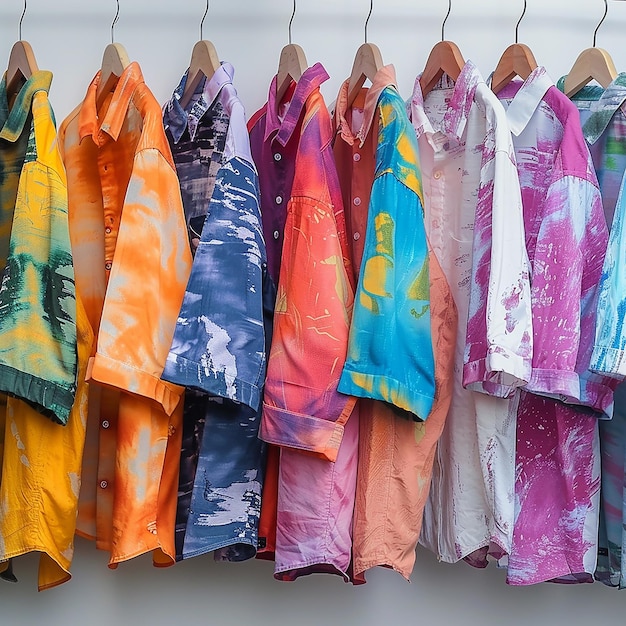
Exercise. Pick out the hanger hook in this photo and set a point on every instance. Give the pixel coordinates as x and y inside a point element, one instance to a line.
<point>114,22</point>
<point>293,14</point>
<point>445,19</point>
<point>367,19</point>
<point>595,32</point>
<point>521,17</point>
<point>206,11</point>
<point>21,20</point>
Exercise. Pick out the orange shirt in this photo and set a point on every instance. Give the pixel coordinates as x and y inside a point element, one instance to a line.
<point>132,259</point>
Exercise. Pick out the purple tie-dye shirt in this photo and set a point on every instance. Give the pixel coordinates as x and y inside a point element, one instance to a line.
<point>557,449</point>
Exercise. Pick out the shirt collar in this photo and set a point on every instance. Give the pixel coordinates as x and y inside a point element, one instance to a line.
<point>177,118</point>
<point>310,80</point>
<point>116,114</point>
<point>611,99</point>
<point>528,97</point>
<point>455,118</point>
<point>12,122</point>
<point>385,77</point>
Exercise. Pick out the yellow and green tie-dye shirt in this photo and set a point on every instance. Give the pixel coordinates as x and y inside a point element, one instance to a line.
<point>38,359</point>
<point>45,342</point>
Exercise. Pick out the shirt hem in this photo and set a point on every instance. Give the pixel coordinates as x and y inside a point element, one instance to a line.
<point>65,568</point>
<point>289,573</point>
<point>55,400</point>
<point>364,566</point>
<point>566,577</point>
<point>224,543</point>
<point>186,373</point>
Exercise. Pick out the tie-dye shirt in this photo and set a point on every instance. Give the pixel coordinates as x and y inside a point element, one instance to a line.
<point>132,262</point>
<point>303,412</point>
<point>603,116</point>
<point>557,485</point>
<point>475,226</point>
<point>38,340</point>
<point>40,459</point>
<point>395,456</point>
<point>390,354</point>
<point>219,346</point>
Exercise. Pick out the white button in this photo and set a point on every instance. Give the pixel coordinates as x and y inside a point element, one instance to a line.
<point>103,484</point>
<point>278,156</point>
<point>356,156</point>
<point>105,424</point>
<point>357,201</point>
<point>107,230</point>
<point>279,200</point>
<point>276,234</point>
<point>107,265</point>
<point>437,175</point>
<point>357,236</point>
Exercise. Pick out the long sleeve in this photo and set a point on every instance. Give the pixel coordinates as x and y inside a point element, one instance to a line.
<point>302,408</point>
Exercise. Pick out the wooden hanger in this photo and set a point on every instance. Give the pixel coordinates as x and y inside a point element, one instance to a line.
<point>444,58</point>
<point>204,62</point>
<point>114,61</point>
<point>22,65</point>
<point>517,60</point>
<point>291,65</point>
<point>367,61</point>
<point>591,64</point>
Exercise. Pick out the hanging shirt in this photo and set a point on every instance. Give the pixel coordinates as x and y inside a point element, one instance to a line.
<point>390,355</point>
<point>132,262</point>
<point>557,454</point>
<point>45,341</point>
<point>303,412</point>
<point>395,453</point>
<point>475,226</point>
<point>219,344</point>
<point>604,127</point>
<point>37,293</point>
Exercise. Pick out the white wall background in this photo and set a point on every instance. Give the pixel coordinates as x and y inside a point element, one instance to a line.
<point>68,37</point>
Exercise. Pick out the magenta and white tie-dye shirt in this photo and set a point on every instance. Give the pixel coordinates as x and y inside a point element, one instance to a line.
<point>473,217</point>
<point>557,449</point>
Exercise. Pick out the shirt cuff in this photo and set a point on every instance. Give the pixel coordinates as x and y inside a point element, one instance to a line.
<point>116,374</point>
<point>499,374</point>
<point>302,432</point>
<point>388,390</point>
<point>609,362</point>
<point>50,399</point>
<point>186,373</point>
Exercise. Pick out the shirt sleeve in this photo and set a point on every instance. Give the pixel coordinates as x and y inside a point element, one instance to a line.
<point>560,269</point>
<point>219,341</point>
<point>609,351</point>
<point>499,337</point>
<point>302,408</point>
<point>390,355</point>
<point>146,285</point>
